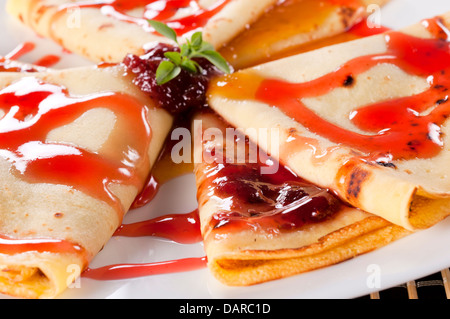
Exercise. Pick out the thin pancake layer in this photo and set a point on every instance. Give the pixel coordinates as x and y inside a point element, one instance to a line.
<point>367,118</point>
<point>256,231</point>
<point>292,25</point>
<point>70,167</point>
<point>122,28</point>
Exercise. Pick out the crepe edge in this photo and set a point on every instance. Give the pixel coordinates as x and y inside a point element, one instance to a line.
<point>247,267</point>
<point>40,17</point>
<point>51,274</point>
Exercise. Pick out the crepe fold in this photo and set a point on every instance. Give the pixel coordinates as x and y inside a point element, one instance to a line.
<point>245,248</point>
<point>298,25</point>
<point>80,26</point>
<point>409,187</point>
<point>70,168</point>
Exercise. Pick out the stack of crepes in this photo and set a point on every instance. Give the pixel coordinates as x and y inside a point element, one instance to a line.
<point>77,145</point>
<point>365,120</point>
<point>53,223</point>
<point>270,27</point>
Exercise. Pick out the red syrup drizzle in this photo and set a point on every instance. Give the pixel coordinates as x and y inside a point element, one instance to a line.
<point>128,271</point>
<point>161,10</point>
<point>21,50</point>
<point>362,29</point>
<point>48,61</point>
<point>397,126</point>
<point>180,228</point>
<point>34,108</point>
<point>147,194</point>
<point>12,246</point>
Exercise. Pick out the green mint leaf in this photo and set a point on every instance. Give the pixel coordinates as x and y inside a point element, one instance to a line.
<point>206,46</point>
<point>197,41</point>
<point>185,50</point>
<point>175,57</point>
<point>166,72</point>
<point>190,65</point>
<point>164,30</point>
<point>193,48</point>
<point>216,59</point>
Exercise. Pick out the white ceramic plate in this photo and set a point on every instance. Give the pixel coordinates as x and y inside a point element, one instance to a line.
<point>407,259</point>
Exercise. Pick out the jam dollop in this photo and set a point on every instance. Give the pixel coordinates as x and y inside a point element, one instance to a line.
<point>260,193</point>
<point>271,202</point>
<point>186,92</point>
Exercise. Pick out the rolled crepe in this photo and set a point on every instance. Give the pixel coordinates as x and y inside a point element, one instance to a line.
<point>296,25</point>
<point>76,147</point>
<point>258,238</point>
<point>366,118</point>
<point>80,27</point>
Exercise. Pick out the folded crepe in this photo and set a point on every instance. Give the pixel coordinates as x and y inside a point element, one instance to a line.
<point>76,147</point>
<point>122,28</point>
<point>366,118</point>
<point>261,222</point>
<point>295,25</point>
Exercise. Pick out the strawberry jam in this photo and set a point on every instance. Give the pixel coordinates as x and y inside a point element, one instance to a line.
<point>273,202</point>
<point>186,92</point>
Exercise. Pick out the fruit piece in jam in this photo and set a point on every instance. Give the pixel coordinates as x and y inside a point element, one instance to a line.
<point>184,93</point>
<point>251,199</point>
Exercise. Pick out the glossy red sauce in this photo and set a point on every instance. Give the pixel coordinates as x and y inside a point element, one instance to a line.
<point>161,10</point>
<point>21,50</point>
<point>33,108</point>
<point>127,271</point>
<point>363,29</point>
<point>12,246</point>
<point>147,194</point>
<point>48,60</point>
<point>180,228</point>
<point>396,126</point>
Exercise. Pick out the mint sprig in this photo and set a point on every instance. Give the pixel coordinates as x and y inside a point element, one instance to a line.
<point>196,47</point>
